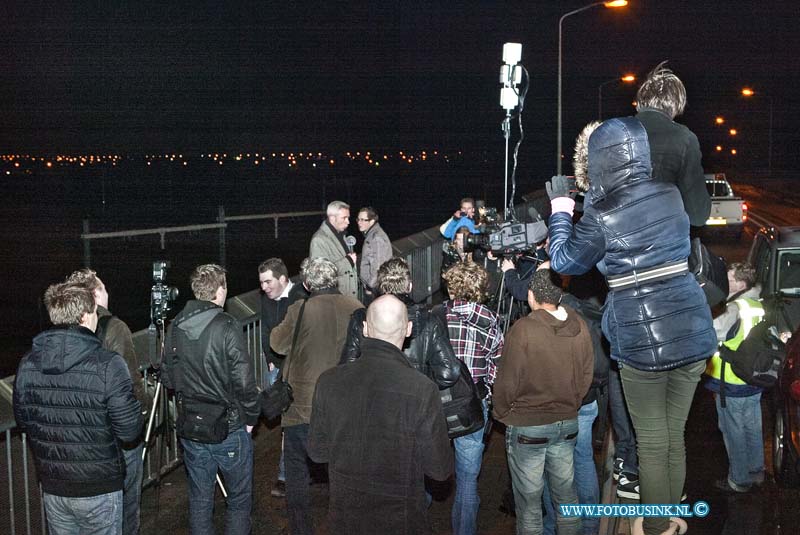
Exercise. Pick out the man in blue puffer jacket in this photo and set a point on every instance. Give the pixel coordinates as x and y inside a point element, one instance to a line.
<point>75,401</point>
<point>656,318</point>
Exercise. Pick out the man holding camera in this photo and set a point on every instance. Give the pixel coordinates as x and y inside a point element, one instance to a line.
<point>75,401</point>
<point>208,366</point>
<point>463,217</point>
<point>115,335</point>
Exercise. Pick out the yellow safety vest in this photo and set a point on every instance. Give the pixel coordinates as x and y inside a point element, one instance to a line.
<point>751,312</point>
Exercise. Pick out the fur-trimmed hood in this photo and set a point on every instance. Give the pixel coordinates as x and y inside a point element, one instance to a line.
<point>610,155</point>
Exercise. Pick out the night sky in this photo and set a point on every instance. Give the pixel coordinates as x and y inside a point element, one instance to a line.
<point>323,75</point>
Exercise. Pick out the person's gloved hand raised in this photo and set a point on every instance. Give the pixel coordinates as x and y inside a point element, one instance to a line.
<point>562,191</point>
<point>561,186</point>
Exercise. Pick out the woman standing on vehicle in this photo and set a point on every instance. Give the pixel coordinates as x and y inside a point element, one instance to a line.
<point>656,317</point>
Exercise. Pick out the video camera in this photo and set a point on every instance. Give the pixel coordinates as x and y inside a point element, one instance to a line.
<point>162,296</point>
<point>509,238</point>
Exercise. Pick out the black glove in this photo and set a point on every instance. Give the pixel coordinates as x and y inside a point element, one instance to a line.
<point>561,186</point>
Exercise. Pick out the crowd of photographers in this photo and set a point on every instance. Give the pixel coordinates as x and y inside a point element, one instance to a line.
<point>388,395</point>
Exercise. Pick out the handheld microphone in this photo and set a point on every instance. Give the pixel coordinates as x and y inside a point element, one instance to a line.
<point>350,241</point>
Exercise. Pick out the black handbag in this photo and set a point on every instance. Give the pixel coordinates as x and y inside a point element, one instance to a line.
<point>278,397</point>
<point>710,272</point>
<point>200,420</point>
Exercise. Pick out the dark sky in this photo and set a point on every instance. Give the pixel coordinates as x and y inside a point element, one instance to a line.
<point>401,74</point>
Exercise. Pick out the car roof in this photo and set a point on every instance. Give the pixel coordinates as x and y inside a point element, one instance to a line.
<point>783,236</point>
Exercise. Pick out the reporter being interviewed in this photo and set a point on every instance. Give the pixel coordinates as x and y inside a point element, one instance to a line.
<point>656,317</point>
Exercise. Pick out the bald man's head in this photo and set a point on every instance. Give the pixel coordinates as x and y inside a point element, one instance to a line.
<point>387,320</point>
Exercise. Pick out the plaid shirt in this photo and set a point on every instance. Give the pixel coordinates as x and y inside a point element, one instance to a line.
<point>476,337</point>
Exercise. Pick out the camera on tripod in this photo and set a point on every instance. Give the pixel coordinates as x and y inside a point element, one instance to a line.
<point>509,238</point>
<point>162,295</point>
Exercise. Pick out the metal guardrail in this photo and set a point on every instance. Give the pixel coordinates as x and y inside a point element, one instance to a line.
<point>24,512</point>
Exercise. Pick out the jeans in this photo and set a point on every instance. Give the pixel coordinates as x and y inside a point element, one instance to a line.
<point>298,479</point>
<point>132,491</point>
<point>625,445</point>
<point>659,404</point>
<point>270,377</point>
<point>740,423</point>
<point>586,484</point>
<point>98,515</point>
<point>468,459</point>
<point>234,458</point>
<point>534,451</point>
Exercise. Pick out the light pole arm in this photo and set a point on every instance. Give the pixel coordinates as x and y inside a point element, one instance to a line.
<point>560,27</point>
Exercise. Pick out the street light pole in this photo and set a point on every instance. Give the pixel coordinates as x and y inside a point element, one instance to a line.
<point>616,3</point>
<point>627,78</point>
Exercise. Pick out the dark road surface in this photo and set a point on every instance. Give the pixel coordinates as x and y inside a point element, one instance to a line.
<point>770,510</point>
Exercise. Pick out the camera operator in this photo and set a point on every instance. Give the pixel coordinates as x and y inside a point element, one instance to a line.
<point>517,273</point>
<point>463,217</point>
<point>208,366</point>
<point>115,335</point>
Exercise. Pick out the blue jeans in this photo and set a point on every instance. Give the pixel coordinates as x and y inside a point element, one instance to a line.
<point>298,479</point>
<point>98,515</point>
<point>234,458</point>
<point>625,445</point>
<point>586,484</point>
<point>533,452</point>
<point>270,377</point>
<point>468,458</point>
<point>740,423</point>
<point>132,491</point>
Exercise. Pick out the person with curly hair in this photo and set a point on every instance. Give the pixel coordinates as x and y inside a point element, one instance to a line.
<point>477,339</point>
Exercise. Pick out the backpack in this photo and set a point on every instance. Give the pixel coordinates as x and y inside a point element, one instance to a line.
<point>759,359</point>
<point>461,403</point>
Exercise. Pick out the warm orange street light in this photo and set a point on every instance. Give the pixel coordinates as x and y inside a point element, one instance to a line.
<point>733,131</point>
<point>748,92</point>
<point>719,148</point>
<point>610,4</point>
<point>719,120</point>
<point>733,151</point>
<point>628,78</point>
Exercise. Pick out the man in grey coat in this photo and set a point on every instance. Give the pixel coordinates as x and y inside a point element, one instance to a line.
<point>377,249</point>
<point>329,242</point>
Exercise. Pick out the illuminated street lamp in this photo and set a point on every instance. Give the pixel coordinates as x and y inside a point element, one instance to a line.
<point>748,92</point>
<point>719,120</point>
<point>733,131</point>
<point>613,4</point>
<point>628,78</point>
<point>719,148</point>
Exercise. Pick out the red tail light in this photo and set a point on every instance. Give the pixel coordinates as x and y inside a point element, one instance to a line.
<point>794,389</point>
<point>744,207</point>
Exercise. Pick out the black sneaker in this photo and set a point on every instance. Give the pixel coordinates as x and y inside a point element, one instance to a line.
<point>617,468</point>
<point>278,489</point>
<point>627,488</point>
<point>726,485</point>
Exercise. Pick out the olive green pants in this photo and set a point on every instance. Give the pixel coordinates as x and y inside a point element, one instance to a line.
<point>659,404</point>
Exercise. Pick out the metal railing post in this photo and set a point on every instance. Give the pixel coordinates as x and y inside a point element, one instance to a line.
<point>221,219</point>
<point>87,247</point>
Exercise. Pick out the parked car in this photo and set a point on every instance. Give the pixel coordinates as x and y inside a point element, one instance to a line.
<point>775,254</point>
<point>728,211</point>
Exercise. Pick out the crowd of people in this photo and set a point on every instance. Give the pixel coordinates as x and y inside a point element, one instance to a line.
<point>371,371</point>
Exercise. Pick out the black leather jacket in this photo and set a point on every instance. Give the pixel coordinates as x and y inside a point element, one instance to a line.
<point>213,360</point>
<point>427,349</point>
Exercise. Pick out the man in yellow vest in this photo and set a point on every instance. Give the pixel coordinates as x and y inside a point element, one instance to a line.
<point>738,403</point>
